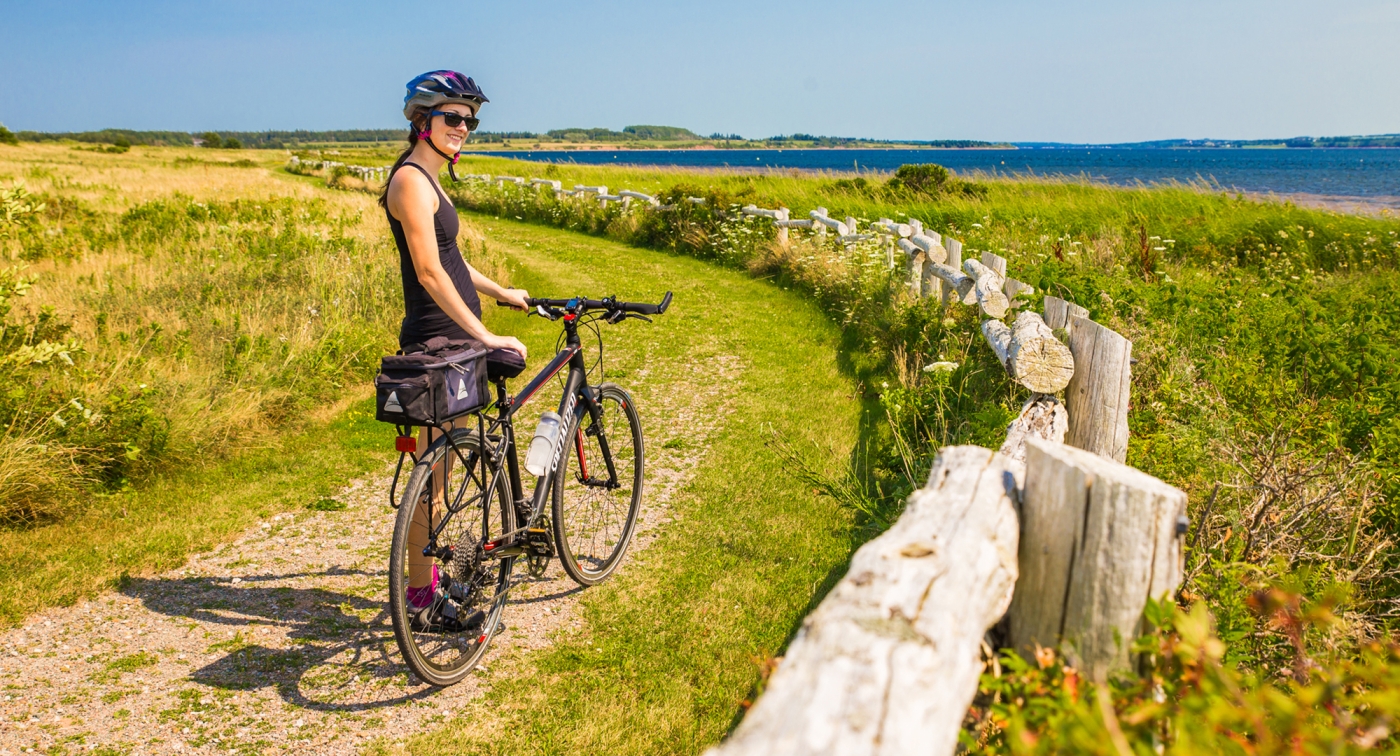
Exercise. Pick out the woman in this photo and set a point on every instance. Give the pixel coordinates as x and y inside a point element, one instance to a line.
<point>440,289</point>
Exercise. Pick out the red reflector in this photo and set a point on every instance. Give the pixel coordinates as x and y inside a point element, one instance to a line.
<point>490,546</point>
<point>569,318</point>
<point>482,639</point>
<point>406,444</point>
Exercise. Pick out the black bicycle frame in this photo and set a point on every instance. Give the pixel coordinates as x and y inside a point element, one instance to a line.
<point>571,410</point>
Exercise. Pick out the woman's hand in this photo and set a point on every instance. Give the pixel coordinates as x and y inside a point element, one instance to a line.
<point>514,298</point>
<point>492,341</point>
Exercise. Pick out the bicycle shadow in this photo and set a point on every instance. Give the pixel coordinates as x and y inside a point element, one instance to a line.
<point>342,655</point>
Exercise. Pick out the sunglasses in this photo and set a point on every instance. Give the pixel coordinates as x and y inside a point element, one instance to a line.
<point>453,120</point>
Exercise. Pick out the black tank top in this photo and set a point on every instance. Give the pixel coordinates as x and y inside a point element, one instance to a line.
<point>423,318</point>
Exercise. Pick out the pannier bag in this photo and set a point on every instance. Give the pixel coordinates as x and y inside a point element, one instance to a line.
<point>431,387</point>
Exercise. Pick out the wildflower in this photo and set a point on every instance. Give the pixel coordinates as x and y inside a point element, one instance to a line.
<point>1159,249</point>
<point>977,225</point>
<point>941,367</point>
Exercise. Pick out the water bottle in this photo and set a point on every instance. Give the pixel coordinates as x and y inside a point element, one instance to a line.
<point>542,445</point>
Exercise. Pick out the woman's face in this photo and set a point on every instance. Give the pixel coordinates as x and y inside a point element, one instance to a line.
<point>450,140</point>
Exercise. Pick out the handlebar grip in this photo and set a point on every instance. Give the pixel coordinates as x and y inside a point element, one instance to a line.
<point>649,309</point>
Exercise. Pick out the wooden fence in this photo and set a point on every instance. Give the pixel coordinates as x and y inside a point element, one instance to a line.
<point>1051,532</point>
<point>364,172</point>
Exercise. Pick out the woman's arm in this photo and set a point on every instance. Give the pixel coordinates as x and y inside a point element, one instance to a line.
<point>413,201</point>
<point>513,297</point>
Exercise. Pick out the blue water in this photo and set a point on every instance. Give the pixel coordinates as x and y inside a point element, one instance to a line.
<point>1333,172</point>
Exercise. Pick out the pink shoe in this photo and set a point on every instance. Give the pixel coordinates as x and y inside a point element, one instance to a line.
<point>421,597</point>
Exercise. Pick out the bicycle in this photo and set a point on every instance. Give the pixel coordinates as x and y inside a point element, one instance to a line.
<point>463,509</point>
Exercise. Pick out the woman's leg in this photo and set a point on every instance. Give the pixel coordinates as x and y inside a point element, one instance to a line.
<point>420,568</point>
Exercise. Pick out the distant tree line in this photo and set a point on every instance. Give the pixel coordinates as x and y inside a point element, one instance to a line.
<point>301,138</point>
<point>111,136</point>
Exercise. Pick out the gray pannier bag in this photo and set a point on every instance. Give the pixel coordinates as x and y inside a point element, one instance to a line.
<point>445,380</point>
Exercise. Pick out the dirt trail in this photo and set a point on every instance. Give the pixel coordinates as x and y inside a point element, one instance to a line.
<point>279,641</point>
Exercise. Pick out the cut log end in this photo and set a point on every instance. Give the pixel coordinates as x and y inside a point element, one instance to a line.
<point>1040,362</point>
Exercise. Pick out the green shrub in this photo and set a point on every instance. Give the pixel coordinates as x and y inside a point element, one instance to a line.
<point>212,140</point>
<point>923,178</point>
<point>1190,699</point>
<point>7,136</point>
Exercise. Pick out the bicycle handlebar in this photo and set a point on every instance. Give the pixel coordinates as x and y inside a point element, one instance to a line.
<point>610,304</point>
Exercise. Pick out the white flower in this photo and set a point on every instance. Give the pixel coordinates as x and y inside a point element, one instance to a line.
<point>977,225</point>
<point>941,367</point>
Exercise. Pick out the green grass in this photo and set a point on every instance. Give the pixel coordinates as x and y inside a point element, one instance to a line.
<point>670,648</point>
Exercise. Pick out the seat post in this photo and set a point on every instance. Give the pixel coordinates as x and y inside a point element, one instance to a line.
<point>500,394</point>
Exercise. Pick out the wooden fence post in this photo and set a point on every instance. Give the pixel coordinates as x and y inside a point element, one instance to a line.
<point>1058,312</point>
<point>889,662</point>
<point>1098,539</point>
<point>995,262</point>
<point>1097,396</point>
<point>783,214</point>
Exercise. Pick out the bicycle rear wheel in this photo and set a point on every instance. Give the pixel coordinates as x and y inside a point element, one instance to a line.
<point>593,522</point>
<point>443,640</point>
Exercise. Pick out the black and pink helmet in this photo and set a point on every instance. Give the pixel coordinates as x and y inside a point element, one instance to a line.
<point>435,88</point>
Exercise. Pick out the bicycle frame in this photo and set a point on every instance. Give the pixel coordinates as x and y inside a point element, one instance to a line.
<point>498,441</point>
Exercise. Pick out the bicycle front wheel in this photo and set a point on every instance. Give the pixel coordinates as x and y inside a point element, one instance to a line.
<point>447,606</point>
<point>595,513</point>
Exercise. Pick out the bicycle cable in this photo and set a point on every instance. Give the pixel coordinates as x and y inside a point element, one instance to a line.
<point>590,321</point>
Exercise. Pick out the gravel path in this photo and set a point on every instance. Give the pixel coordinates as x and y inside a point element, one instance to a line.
<point>279,641</point>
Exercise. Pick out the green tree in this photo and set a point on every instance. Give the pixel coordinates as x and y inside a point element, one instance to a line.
<point>211,139</point>
<point>7,136</point>
<point>232,143</point>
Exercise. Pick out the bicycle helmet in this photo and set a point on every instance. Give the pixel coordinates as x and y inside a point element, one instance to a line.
<point>435,88</point>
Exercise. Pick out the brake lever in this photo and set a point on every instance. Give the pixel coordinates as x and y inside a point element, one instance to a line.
<point>544,312</point>
<point>638,317</point>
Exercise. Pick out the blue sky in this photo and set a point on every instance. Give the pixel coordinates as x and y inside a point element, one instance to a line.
<point>1085,71</point>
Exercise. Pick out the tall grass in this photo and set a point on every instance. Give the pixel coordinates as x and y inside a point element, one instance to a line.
<point>195,322</point>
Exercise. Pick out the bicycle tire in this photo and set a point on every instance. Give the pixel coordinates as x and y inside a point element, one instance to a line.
<point>593,526</point>
<point>441,657</point>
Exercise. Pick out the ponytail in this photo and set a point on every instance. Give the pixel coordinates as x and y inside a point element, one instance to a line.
<point>413,132</point>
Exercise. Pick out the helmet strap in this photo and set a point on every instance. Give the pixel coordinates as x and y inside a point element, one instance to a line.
<point>451,159</point>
